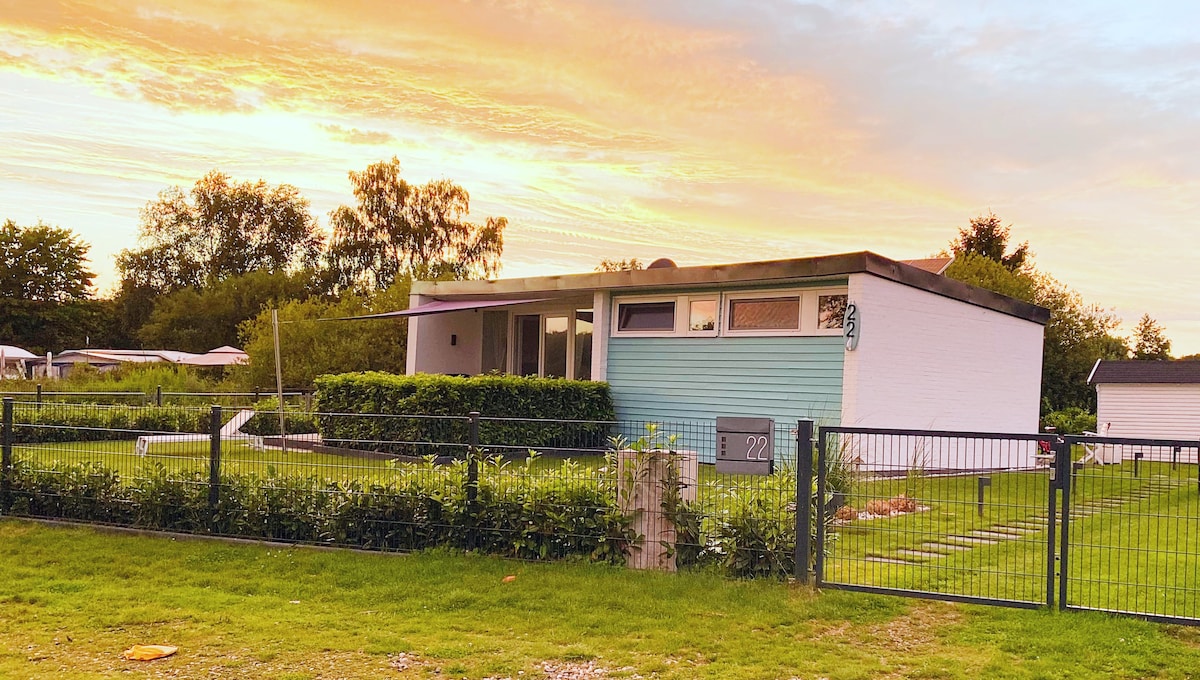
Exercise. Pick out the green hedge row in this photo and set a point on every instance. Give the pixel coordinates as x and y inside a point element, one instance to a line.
<point>521,511</point>
<point>66,423</point>
<point>440,404</point>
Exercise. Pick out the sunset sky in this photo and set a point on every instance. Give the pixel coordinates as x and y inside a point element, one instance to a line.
<point>703,130</point>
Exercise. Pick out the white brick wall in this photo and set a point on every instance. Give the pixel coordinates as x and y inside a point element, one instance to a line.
<point>929,362</point>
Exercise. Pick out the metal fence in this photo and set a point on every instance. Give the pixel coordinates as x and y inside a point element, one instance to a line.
<point>38,394</point>
<point>532,489</point>
<point>1017,520</point>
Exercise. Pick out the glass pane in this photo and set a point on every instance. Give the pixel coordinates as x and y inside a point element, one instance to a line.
<point>556,347</point>
<point>703,316</point>
<point>583,344</point>
<point>646,316</point>
<point>782,313</point>
<point>529,333</point>
<point>831,310</point>
<point>495,341</point>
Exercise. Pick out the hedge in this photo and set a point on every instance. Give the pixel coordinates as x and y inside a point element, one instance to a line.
<point>67,423</point>
<point>521,511</point>
<point>440,403</point>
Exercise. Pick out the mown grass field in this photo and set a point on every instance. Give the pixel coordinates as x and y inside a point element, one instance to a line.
<point>73,598</point>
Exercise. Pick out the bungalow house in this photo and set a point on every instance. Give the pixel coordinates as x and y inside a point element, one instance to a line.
<point>854,339</point>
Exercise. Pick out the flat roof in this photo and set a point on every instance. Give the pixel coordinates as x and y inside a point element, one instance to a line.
<point>1146,372</point>
<point>771,272</point>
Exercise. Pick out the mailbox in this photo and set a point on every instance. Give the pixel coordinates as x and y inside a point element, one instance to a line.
<point>745,446</point>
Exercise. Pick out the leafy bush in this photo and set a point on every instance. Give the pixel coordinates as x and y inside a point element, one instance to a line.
<point>570,413</point>
<point>70,423</point>
<point>265,422</point>
<point>1071,420</point>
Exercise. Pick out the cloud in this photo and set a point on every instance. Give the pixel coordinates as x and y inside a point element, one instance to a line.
<point>350,135</point>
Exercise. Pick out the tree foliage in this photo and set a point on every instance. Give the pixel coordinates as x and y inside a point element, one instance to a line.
<point>988,236</point>
<point>397,230</point>
<point>1150,340</point>
<point>310,347</point>
<point>632,264</point>
<point>43,263</point>
<point>198,320</point>
<point>222,228</point>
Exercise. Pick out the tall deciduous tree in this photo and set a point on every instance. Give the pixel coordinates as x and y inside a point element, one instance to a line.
<point>632,264</point>
<point>988,236</point>
<point>43,263</point>
<point>222,228</point>
<point>396,229</point>
<point>1150,340</point>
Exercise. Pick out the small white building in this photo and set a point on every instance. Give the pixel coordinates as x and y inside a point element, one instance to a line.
<point>1147,399</point>
<point>757,339</point>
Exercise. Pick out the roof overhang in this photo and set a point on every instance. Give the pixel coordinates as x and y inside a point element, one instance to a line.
<point>770,272</point>
<point>442,307</point>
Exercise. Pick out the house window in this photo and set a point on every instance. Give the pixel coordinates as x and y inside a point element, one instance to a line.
<point>702,316</point>
<point>831,310</point>
<point>633,317</point>
<point>553,345</point>
<point>765,314</point>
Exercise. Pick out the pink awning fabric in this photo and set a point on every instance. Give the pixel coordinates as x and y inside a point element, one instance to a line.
<point>440,307</point>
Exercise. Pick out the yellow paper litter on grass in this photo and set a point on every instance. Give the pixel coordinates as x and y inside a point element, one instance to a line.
<point>149,652</point>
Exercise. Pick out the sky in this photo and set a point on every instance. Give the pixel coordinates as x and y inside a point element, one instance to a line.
<point>706,131</point>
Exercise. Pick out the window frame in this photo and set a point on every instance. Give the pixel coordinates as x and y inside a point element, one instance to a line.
<point>616,332</point>
<point>541,312</point>
<point>727,317</point>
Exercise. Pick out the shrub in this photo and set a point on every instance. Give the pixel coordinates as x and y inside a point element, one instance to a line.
<point>438,403</point>
<point>69,423</point>
<point>1071,420</point>
<point>265,422</point>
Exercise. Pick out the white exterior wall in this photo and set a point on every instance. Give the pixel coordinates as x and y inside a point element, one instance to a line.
<point>429,337</point>
<point>929,362</point>
<point>1149,411</point>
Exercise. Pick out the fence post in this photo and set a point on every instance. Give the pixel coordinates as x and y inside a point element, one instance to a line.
<point>214,464</point>
<point>1065,469</point>
<point>158,396</point>
<point>6,461</point>
<point>39,396</point>
<point>473,478</point>
<point>804,507</point>
<point>819,548</point>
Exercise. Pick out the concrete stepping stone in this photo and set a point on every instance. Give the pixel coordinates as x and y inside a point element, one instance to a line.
<point>934,545</point>
<point>921,554</point>
<point>889,560</point>
<point>1019,529</point>
<point>987,533</point>
<point>972,539</point>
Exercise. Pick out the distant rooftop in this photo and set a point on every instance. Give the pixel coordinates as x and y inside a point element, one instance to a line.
<point>1146,372</point>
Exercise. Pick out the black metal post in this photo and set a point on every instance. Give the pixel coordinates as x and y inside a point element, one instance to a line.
<point>1137,459</point>
<point>983,482</point>
<point>819,548</point>
<point>473,477</point>
<point>6,459</point>
<point>158,396</point>
<point>804,504</point>
<point>39,396</point>
<point>1174,457</point>
<point>1065,470</point>
<point>1051,521</point>
<point>214,464</point>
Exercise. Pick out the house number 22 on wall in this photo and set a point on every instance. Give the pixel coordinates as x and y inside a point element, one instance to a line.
<point>850,326</point>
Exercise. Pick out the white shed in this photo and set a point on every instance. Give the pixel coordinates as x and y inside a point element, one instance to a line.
<point>1147,399</point>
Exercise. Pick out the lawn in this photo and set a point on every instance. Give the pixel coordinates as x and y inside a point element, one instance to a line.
<point>73,598</point>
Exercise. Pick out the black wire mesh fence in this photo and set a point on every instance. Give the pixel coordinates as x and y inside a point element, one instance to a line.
<point>959,516</point>
<point>531,489</point>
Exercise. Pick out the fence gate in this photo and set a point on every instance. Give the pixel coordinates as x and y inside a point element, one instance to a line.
<point>962,516</point>
<point>1131,530</point>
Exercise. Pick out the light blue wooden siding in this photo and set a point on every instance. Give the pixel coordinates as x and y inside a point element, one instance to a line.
<point>688,379</point>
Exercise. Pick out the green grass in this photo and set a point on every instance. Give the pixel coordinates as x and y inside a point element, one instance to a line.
<point>72,598</point>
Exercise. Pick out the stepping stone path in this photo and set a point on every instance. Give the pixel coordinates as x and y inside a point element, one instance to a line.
<point>995,534</point>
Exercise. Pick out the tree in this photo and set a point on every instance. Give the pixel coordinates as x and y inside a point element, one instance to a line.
<point>221,229</point>
<point>398,230</point>
<point>987,236</point>
<point>197,320</point>
<point>607,265</point>
<point>310,347</point>
<point>1150,340</point>
<point>43,263</point>
<point>985,272</point>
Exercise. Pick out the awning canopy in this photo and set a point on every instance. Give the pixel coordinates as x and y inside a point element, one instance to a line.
<point>12,353</point>
<point>441,307</point>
